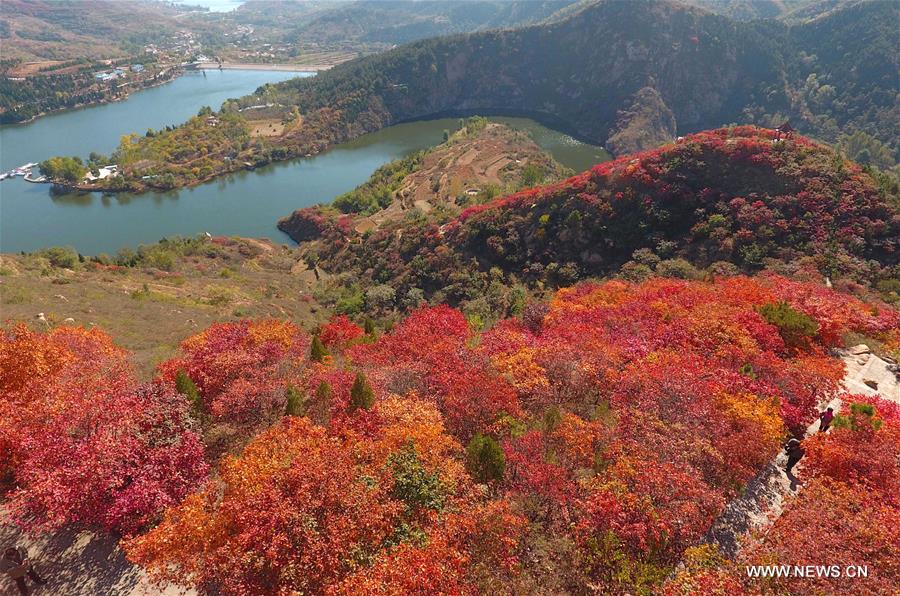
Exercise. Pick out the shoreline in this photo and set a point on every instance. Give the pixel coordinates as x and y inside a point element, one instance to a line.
<point>270,67</point>
<point>138,187</point>
<point>179,73</point>
<point>104,101</point>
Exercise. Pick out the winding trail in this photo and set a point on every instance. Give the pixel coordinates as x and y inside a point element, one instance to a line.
<point>762,501</point>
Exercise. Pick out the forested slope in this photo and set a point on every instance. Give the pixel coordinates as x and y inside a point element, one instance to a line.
<point>723,200</point>
<point>578,72</point>
<point>586,445</point>
<point>630,74</point>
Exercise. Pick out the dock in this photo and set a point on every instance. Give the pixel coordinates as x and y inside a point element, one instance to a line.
<point>24,170</point>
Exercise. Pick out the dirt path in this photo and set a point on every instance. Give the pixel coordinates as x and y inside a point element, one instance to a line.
<point>763,499</point>
<point>80,563</point>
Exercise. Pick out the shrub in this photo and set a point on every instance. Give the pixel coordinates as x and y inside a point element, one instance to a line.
<point>484,459</point>
<point>678,268</point>
<point>361,394</point>
<point>317,351</point>
<point>413,484</point>
<point>645,256</point>
<point>723,268</point>
<point>861,415</point>
<point>533,316</point>
<point>532,175</point>
<point>380,297</point>
<point>634,271</point>
<point>552,419</point>
<point>62,257</point>
<point>295,404</point>
<point>186,386</point>
<point>161,259</point>
<point>795,328</point>
<point>351,303</point>
<point>323,391</point>
<point>414,298</point>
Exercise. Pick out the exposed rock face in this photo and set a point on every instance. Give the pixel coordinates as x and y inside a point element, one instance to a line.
<point>763,498</point>
<point>648,123</point>
<point>867,374</point>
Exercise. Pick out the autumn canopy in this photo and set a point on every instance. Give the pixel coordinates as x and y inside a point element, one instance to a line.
<point>592,441</point>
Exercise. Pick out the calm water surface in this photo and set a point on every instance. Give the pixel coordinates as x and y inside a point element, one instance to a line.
<point>245,203</point>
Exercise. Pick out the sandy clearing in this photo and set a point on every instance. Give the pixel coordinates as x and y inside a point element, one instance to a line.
<point>271,127</point>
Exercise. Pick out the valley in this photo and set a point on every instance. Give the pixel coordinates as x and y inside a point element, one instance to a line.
<point>69,54</point>
<point>151,299</point>
<point>681,77</point>
<point>35,215</point>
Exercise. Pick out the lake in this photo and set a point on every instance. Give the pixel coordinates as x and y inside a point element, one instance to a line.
<point>245,204</point>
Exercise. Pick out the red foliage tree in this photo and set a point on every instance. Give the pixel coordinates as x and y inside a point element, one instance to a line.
<point>297,513</point>
<point>241,369</point>
<point>339,332</point>
<point>831,523</point>
<point>87,444</point>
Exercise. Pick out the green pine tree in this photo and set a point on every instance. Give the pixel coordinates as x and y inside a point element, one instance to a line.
<point>361,394</point>
<point>552,419</point>
<point>186,386</point>
<point>317,351</point>
<point>369,326</point>
<point>484,459</point>
<point>296,405</point>
<point>323,391</point>
<point>795,327</point>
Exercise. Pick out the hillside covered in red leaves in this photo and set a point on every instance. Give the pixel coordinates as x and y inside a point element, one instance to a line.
<point>720,201</point>
<point>586,445</point>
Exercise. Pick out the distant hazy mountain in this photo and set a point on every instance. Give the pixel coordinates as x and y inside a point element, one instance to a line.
<point>73,29</point>
<point>392,21</point>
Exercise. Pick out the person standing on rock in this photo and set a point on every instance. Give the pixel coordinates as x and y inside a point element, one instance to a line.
<point>825,419</point>
<point>794,451</point>
<point>16,565</point>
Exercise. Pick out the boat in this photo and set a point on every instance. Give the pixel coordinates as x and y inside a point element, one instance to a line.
<point>4,176</point>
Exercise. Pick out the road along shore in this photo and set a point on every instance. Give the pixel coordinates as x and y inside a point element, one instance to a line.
<point>278,67</point>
